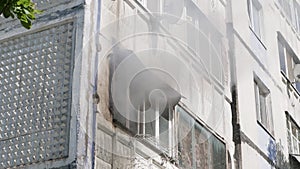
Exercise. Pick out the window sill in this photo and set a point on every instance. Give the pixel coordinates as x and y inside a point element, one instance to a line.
<point>266,130</point>
<point>258,38</point>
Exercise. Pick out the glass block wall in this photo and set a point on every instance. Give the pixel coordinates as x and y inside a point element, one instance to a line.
<point>35,95</point>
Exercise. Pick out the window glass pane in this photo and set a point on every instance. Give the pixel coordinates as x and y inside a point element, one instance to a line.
<point>218,153</point>
<point>256,20</point>
<point>204,50</point>
<point>257,102</point>
<point>150,129</point>
<point>295,16</point>
<point>290,65</point>
<point>215,52</point>
<point>298,86</point>
<point>263,112</point>
<point>269,114</point>
<point>191,29</point>
<point>294,130</point>
<point>295,144</point>
<point>199,148</point>
<point>164,132</point>
<point>289,141</point>
<point>185,147</point>
<point>202,148</point>
<point>281,57</point>
<point>263,105</point>
<point>287,9</point>
<point>298,17</point>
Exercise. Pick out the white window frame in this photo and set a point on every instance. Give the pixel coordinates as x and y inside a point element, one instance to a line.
<point>257,5</point>
<point>280,43</point>
<point>296,9</point>
<point>288,72</point>
<point>291,11</point>
<point>293,140</point>
<point>263,106</point>
<point>141,130</point>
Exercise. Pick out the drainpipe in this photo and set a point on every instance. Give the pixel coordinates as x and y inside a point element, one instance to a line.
<point>96,98</point>
<point>233,84</point>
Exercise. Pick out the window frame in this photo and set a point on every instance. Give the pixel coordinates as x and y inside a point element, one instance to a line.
<point>263,106</point>
<point>289,59</point>
<point>255,4</point>
<point>198,129</point>
<point>290,9</point>
<point>155,139</point>
<point>293,149</point>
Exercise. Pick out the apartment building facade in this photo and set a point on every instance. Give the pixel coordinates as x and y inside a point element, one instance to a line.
<point>265,48</point>
<point>156,52</point>
<point>152,84</point>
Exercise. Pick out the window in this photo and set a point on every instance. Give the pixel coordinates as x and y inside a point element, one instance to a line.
<point>159,131</point>
<point>281,50</point>
<point>198,147</point>
<point>263,106</point>
<point>296,20</point>
<point>291,10</point>
<point>205,42</point>
<point>287,62</point>
<point>293,135</point>
<point>255,15</point>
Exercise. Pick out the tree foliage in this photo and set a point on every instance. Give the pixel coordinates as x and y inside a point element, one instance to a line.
<point>24,10</point>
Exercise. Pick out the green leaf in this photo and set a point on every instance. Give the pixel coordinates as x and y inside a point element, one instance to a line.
<point>27,24</point>
<point>31,16</point>
<point>25,11</point>
<point>7,13</point>
<point>2,5</point>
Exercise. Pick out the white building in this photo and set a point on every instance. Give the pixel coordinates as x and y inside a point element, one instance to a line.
<point>172,52</point>
<point>265,47</point>
<point>152,84</point>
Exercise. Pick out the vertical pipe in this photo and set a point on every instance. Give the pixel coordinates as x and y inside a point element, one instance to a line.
<point>96,64</point>
<point>233,85</point>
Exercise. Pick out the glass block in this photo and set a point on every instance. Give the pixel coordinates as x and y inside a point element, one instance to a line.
<point>35,96</point>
